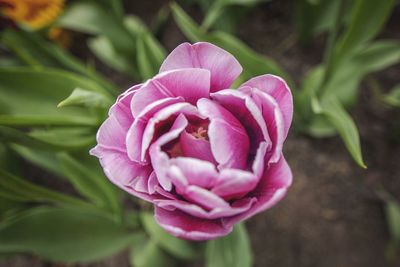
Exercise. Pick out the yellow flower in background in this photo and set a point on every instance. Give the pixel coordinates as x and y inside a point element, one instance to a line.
<point>60,36</point>
<point>35,14</point>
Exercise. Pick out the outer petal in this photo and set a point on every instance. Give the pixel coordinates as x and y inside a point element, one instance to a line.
<point>278,89</point>
<point>270,190</point>
<point>122,172</point>
<point>111,135</point>
<point>273,116</point>
<point>122,107</point>
<point>223,66</point>
<point>190,84</point>
<point>228,139</point>
<point>183,225</point>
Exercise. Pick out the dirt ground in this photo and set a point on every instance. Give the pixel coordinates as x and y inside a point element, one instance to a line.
<point>332,216</point>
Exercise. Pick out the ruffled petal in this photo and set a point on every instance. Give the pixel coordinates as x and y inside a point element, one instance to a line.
<point>243,107</point>
<point>134,136</point>
<point>279,90</point>
<point>234,183</point>
<point>223,66</point>
<point>228,139</point>
<point>122,107</point>
<point>190,84</point>
<point>185,226</point>
<point>197,172</point>
<point>270,190</point>
<point>159,159</point>
<point>159,118</point>
<point>273,116</point>
<point>124,173</point>
<point>111,135</point>
<point>195,148</point>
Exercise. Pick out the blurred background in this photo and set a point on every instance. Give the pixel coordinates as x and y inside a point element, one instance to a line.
<point>337,213</point>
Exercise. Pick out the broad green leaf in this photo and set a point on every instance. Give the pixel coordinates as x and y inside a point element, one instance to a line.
<point>393,97</point>
<point>43,159</point>
<point>102,47</point>
<point>344,124</point>
<point>187,25</point>
<point>177,247</point>
<point>233,250</point>
<point>34,50</point>
<point>30,97</point>
<point>49,140</point>
<point>93,18</point>
<point>150,53</point>
<point>65,235</point>
<point>313,17</point>
<point>10,135</point>
<point>22,190</point>
<point>363,26</point>
<point>86,98</point>
<point>392,209</point>
<point>87,182</point>
<point>374,57</point>
<point>147,253</point>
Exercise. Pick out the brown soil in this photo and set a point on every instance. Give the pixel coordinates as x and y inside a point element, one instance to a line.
<point>332,216</point>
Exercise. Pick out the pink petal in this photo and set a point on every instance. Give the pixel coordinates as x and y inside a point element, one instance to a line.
<point>161,116</point>
<point>111,135</point>
<point>278,89</point>
<point>196,172</point>
<point>185,226</point>
<point>228,139</point>
<point>196,148</point>
<point>134,136</point>
<point>270,190</point>
<point>238,207</point>
<point>234,183</point>
<point>243,107</point>
<point>274,119</point>
<point>159,159</point>
<point>122,107</point>
<point>123,172</point>
<point>223,66</point>
<point>190,84</point>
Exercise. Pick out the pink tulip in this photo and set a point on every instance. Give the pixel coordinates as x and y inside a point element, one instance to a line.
<point>206,156</point>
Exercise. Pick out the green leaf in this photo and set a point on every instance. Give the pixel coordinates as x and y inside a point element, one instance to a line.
<point>103,48</point>
<point>253,63</point>
<point>362,26</point>
<point>30,97</point>
<point>87,182</point>
<point>34,50</point>
<point>41,158</point>
<point>150,53</point>
<point>21,190</point>
<point>341,120</point>
<point>85,98</point>
<point>49,140</point>
<point>93,18</point>
<point>177,247</point>
<point>392,209</point>
<point>147,253</point>
<point>64,235</point>
<point>233,250</point>
<point>393,98</point>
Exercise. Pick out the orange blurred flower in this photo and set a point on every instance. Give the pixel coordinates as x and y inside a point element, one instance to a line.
<point>35,14</point>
